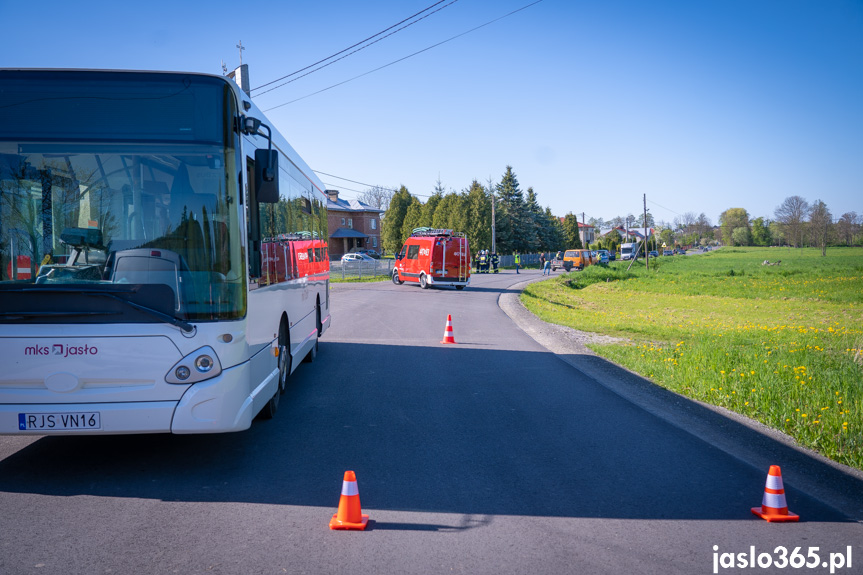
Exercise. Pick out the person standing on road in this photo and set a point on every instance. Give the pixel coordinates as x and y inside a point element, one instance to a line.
<point>546,268</point>
<point>517,261</point>
<point>542,263</point>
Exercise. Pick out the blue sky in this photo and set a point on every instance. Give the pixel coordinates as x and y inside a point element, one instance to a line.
<point>702,106</point>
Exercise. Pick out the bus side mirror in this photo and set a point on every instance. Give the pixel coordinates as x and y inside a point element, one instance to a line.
<point>267,176</point>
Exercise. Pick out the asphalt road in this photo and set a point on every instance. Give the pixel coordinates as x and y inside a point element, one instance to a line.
<point>495,455</point>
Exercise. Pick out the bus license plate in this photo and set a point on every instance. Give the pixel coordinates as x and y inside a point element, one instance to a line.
<point>59,421</point>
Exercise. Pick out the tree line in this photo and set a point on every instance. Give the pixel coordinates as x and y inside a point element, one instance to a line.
<point>796,223</point>
<point>521,223</point>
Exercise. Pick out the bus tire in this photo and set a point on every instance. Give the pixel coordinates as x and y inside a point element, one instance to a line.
<point>272,406</point>
<point>396,279</point>
<point>459,288</point>
<point>424,283</point>
<point>284,357</point>
<point>313,353</point>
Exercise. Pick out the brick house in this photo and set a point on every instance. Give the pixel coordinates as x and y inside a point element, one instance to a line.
<point>352,224</point>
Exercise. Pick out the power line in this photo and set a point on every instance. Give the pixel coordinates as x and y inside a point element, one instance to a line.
<point>664,208</point>
<point>406,57</point>
<point>354,46</point>
<point>365,184</point>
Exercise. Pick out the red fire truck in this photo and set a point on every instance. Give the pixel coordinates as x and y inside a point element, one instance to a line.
<point>434,257</point>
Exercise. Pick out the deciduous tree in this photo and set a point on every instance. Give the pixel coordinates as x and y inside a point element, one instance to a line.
<point>821,225</point>
<point>730,220</point>
<point>848,227</point>
<point>792,215</point>
<point>761,232</point>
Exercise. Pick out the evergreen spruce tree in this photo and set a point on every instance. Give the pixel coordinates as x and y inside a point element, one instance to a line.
<point>570,232</point>
<point>391,224</point>
<point>556,238</point>
<point>429,209</point>
<point>413,218</point>
<point>533,223</point>
<point>447,216</point>
<point>510,214</point>
<point>478,208</point>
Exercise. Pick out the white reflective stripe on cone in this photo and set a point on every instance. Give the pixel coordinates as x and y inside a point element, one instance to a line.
<point>350,488</point>
<point>774,500</point>
<point>774,482</point>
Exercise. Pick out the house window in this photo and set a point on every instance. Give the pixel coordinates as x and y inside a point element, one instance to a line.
<point>343,221</point>
<point>374,224</point>
<point>351,223</point>
<point>374,241</point>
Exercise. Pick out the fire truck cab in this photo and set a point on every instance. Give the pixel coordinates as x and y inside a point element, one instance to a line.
<point>434,257</point>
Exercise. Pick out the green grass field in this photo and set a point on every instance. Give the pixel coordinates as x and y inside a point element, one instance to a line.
<point>781,344</point>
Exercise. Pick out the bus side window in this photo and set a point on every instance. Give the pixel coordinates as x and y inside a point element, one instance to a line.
<point>254,217</point>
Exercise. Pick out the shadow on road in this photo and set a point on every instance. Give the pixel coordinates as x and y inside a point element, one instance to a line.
<point>437,429</point>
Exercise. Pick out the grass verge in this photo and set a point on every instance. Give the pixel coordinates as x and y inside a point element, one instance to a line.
<point>780,344</point>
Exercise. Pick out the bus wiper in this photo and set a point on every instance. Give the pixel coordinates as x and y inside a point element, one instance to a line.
<point>99,291</point>
<point>185,326</point>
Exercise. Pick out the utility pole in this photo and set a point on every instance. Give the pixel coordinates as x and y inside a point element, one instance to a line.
<point>493,226</point>
<point>646,253</point>
<point>583,227</point>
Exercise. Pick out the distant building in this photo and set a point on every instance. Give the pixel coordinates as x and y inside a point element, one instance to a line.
<point>635,234</point>
<point>352,224</point>
<point>586,232</point>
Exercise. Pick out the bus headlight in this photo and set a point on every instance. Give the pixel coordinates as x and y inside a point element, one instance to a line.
<point>204,363</point>
<point>200,365</point>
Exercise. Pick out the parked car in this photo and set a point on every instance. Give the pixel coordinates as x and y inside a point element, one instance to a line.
<point>366,251</point>
<point>654,254</point>
<point>356,257</point>
<point>604,256</point>
<point>578,259</point>
<point>667,252</point>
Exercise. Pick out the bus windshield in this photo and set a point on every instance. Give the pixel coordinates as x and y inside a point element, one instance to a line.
<point>123,189</point>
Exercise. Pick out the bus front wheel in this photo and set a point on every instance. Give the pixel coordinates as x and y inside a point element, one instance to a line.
<point>284,359</point>
<point>272,406</point>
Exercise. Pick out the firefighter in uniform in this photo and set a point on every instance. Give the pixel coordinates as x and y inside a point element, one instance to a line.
<point>495,260</point>
<point>482,265</point>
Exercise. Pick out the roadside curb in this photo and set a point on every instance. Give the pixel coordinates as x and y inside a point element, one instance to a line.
<point>832,483</point>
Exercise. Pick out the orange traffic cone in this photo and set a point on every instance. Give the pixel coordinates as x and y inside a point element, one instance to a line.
<point>773,505</point>
<point>447,333</point>
<point>350,514</point>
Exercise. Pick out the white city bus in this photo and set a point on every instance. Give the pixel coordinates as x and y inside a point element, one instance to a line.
<point>163,256</point>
